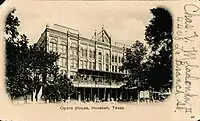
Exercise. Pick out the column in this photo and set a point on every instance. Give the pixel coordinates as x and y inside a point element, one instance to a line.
<point>127,94</point>
<point>116,96</point>
<point>78,53</point>
<point>104,94</point>
<point>68,49</point>
<point>83,93</point>
<point>95,50</point>
<point>108,96</point>
<point>88,57</point>
<point>103,58</point>
<point>91,95</point>
<point>79,97</point>
<point>98,93</point>
<point>121,92</point>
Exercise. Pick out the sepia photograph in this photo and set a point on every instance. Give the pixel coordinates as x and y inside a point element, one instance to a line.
<point>88,55</point>
<point>99,60</point>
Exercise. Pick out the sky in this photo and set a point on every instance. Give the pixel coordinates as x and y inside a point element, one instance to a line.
<point>124,22</point>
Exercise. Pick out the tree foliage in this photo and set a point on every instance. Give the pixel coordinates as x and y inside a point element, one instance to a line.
<point>60,88</point>
<point>28,66</point>
<point>159,38</point>
<point>152,68</point>
<point>134,62</point>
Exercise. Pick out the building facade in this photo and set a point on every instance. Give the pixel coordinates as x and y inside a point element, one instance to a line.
<point>92,64</point>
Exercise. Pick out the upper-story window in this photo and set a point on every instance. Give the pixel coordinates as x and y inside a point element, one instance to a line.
<point>81,64</point>
<point>115,68</point>
<point>119,59</point>
<point>100,66</point>
<point>63,62</point>
<point>100,57</point>
<point>112,58</point>
<point>94,66</point>
<point>90,54</point>
<point>73,49</point>
<point>81,51</point>
<point>63,49</point>
<point>90,65</point>
<point>115,58</point>
<point>107,58</point>
<point>107,67</point>
<point>73,63</point>
<point>85,53</point>
<point>112,68</point>
<point>52,46</point>
<point>85,64</point>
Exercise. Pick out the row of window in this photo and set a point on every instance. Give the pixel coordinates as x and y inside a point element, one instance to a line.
<point>84,64</point>
<point>114,59</point>
<point>84,53</point>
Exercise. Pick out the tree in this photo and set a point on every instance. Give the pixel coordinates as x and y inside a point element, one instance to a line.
<point>134,62</point>
<point>60,88</point>
<point>26,66</point>
<point>14,57</point>
<point>158,35</point>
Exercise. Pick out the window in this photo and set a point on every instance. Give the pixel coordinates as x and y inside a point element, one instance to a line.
<point>112,68</point>
<point>73,52</point>
<point>63,49</point>
<point>94,65</point>
<point>100,57</point>
<point>81,53</point>
<point>85,64</point>
<point>116,58</point>
<point>119,59</point>
<point>107,67</point>
<point>90,65</point>
<point>112,58</point>
<point>85,53</point>
<point>73,63</point>
<point>52,46</point>
<point>71,76</point>
<point>63,61</point>
<point>90,54</point>
<point>100,66</point>
<point>73,49</point>
<point>81,64</point>
<point>115,68</point>
<point>107,58</point>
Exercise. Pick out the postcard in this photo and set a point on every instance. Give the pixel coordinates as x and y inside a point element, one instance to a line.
<point>100,60</point>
